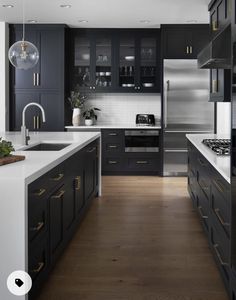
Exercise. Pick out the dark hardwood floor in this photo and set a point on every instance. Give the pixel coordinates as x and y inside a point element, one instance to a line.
<point>140,241</point>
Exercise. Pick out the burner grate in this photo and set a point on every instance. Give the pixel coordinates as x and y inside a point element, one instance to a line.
<point>219,146</point>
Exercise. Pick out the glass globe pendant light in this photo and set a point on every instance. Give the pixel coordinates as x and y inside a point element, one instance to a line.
<point>23,54</point>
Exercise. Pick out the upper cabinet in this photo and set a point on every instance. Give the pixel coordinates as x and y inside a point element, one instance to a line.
<point>115,60</point>
<point>184,41</point>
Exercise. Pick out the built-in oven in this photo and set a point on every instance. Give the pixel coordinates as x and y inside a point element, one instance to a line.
<point>142,140</point>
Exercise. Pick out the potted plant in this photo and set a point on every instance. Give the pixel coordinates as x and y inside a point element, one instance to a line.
<point>90,115</point>
<point>77,103</point>
<point>5,148</point>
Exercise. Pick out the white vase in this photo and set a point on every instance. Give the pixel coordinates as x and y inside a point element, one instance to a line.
<point>76,116</point>
<point>88,122</point>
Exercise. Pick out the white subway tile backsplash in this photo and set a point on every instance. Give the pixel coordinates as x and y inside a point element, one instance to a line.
<point>122,108</point>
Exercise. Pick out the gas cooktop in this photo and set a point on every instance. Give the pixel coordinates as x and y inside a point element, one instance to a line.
<point>219,146</point>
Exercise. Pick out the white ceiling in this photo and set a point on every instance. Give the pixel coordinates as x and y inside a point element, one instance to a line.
<point>107,13</point>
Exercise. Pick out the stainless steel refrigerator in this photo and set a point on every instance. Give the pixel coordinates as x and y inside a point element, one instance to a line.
<point>185,110</point>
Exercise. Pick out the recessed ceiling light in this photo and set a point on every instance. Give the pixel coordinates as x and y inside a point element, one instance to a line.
<point>82,21</point>
<point>32,21</point>
<point>8,6</point>
<point>65,6</point>
<point>145,21</point>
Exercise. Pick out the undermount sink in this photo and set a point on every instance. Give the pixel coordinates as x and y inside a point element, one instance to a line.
<point>47,147</point>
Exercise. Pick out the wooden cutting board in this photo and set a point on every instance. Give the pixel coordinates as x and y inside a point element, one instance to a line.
<point>11,159</point>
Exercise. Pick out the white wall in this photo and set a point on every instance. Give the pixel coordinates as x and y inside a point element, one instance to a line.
<point>122,108</point>
<point>4,77</point>
<point>224,119</point>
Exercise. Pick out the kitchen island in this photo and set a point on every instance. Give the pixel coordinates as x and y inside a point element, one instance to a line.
<point>18,180</point>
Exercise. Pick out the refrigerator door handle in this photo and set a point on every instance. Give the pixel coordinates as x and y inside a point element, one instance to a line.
<point>166,89</point>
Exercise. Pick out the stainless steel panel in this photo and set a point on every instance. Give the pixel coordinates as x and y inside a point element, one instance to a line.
<point>175,163</point>
<point>145,132</point>
<point>141,149</point>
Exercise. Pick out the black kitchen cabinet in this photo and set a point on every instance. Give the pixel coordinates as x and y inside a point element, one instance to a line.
<point>220,85</point>
<point>57,202</point>
<point>45,83</point>
<point>183,41</point>
<point>115,60</point>
<point>220,15</point>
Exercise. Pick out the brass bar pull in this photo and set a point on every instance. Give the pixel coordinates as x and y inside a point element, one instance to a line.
<point>216,246</point>
<point>40,192</point>
<point>112,162</point>
<point>223,223</point>
<point>78,183</point>
<point>39,268</point>
<point>58,177</point>
<point>215,25</point>
<point>91,150</point>
<point>214,86</point>
<point>112,146</point>
<point>187,50</point>
<point>38,122</point>
<point>191,50</point>
<point>219,186</point>
<point>61,193</point>
<point>201,162</point>
<point>38,227</point>
<point>142,162</point>
<point>201,213</point>
<point>34,122</point>
<point>38,79</point>
<point>34,79</point>
<point>113,134</point>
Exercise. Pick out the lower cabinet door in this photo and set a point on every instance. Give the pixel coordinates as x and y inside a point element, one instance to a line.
<point>203,208</point>
<point>90,171</point>
<point>56,222</point>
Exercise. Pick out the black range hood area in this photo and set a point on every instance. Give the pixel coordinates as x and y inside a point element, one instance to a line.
<point>217,54</point>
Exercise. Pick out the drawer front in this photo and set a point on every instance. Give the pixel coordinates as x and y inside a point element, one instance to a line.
<point>42,186</point>
<point>220,246</point>
<point>203,175</point>
<point>203,208</point>
<point>112,147</point>
<point>109,135</point>
<point>112,163</point>
<point>143,164</point>
<point>220,209</point>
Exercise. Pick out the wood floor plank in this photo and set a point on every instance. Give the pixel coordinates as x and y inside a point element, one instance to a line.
<point>140,241</point>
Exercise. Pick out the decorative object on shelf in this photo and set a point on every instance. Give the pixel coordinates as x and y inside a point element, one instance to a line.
<point>77,103</point>
<point>23,54</point>
<point>90,115</point>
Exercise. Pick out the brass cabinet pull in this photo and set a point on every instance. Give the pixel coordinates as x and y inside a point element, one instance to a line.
<point>78,184</point>
<point>187,49</point>
<point>113,134</point>
<point>38,227</point>
<point>141,162</point>
<point>216,246</point>
<point>40,192</point>
<point>58,177</point>
<point>215,25</point>
<point>217,212</point>
<point>34,79</point>
<point>40,267</point>
<point>112,162</point>
<point>191,50</point>
<point>201,213</point>
<point>112,146</point>
<point>61,193</point>
<point>202,163</point>
<point>34,122</point>
<point>219,186</point>
<point>91,150</point>
<point>38,122</point>
<point>215,84</point>
<point>38,79</point>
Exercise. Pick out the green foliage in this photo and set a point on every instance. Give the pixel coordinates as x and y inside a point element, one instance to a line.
<point>76,100</point>
<point>5,148</point>
<point>90,113</point>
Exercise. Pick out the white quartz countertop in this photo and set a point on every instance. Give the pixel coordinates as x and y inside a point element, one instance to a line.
<point>37,163</point>
<point>112,126</point>
<point>219,162</point>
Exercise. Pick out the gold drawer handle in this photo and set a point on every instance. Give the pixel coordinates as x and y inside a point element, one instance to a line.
<point>38,227</point>
<point>201,162</point>
<point>216,246</point>
<point>59,195</point>
<point>40,267</point>
<point>40,192</point>
<point>217,212</point>
<point>215,26</point>
<point>112,146</point>
<point>91,150</point>
<point>219,186</point>
<point>112,162</point>
<point>142,162</point>
<point>201,213</point>
<point>58,177</point>
<point>78,184</point>
<point>113,134</point>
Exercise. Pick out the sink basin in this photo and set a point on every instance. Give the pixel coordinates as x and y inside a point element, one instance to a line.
<point>47,147</point>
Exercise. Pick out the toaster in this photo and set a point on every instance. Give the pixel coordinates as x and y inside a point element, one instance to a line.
<point>145,120</point>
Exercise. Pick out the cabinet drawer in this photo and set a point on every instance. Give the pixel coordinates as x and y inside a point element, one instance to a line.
<point>143,164</point>
<point>220,246</point>
<point>41,188</point>
<point>112,147</point>
<point>203,208</point>
<point>112,163</point>
<point>203,175</point>
<point>220,209</point>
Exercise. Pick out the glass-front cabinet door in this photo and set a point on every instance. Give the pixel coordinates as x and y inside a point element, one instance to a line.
<point>127,62</point>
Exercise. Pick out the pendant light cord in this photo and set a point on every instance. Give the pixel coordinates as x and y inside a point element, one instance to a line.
<point>23,21</point>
